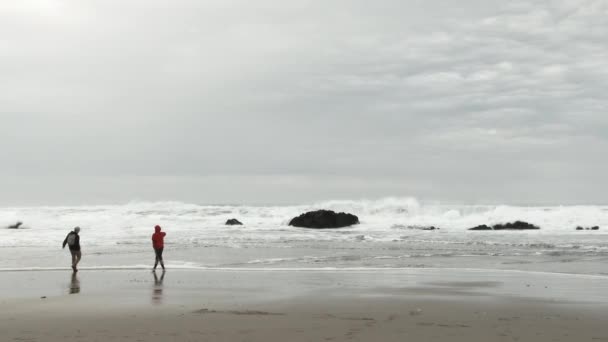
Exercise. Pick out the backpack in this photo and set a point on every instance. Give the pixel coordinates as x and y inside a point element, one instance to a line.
<point>71,239</point>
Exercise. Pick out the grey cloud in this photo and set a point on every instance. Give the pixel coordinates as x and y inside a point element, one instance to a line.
<point>445,101</point>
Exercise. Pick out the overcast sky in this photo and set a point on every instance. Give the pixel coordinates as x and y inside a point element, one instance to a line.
<point>275,101</point>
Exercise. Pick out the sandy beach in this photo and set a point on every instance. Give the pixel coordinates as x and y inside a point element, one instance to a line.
<point>305,305</point>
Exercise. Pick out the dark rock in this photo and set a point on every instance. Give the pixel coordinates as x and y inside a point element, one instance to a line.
<point>517,225</point>
<point>321,219</point>
<point>482,227</point>
<point>233,222</point>
<point>15,226</point>
<point>588,228</point>
<point>422,227</point>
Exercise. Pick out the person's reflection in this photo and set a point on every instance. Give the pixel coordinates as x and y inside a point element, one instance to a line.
<point>157,293</point>
<point>74,284</point>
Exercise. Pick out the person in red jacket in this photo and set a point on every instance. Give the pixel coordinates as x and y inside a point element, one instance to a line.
<point>158,243</point>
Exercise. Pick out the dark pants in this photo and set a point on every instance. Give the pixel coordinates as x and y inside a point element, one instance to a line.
<point>76,256</point>
<point>159,257</point>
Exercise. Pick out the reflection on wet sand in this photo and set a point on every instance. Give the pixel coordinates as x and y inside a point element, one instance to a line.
<point>74,284</point>
<point>157,292</point>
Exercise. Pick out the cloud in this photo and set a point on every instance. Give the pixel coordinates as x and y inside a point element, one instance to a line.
<point>412,92</point>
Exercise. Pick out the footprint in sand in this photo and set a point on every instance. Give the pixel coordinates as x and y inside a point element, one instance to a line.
<point>391,318</point>
<point>426,324</point>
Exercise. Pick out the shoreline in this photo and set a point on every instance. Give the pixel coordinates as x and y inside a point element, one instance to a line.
<point>311,256</point>
<point>297,269</point>
<point>504,283</point>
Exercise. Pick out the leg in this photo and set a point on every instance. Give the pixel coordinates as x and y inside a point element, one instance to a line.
<point>78,257</point>
<point>160,258</point>
<point>75,259</point>
<point>73,254</point>
<point>155,258</point>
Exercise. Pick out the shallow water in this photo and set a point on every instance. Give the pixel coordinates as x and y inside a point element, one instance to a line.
<point>183,287</point>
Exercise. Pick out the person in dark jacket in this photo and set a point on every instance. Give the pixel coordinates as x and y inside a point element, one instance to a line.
<point>158,243</point>
<point>73,242</point>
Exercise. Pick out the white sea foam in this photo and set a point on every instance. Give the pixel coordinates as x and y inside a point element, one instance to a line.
<point>192,224</point>
<point>196,235</point>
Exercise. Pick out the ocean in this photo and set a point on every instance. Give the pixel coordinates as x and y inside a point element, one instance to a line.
<point>388,237</point>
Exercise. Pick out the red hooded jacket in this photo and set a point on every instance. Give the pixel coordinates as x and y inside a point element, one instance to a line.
<point>158,238</point>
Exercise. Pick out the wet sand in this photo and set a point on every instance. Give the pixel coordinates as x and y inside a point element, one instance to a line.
<point>306,305</point>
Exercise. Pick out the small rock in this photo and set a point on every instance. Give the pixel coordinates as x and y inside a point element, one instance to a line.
<point>401,226</point>
<point>482,227</point>
<point>15,226</point>
<point>422,227</point>
<point>517,225</point>
<point>233,222</point>
<point>588,228</point>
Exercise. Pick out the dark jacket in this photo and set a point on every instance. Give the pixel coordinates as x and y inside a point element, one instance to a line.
<point>76,245</point>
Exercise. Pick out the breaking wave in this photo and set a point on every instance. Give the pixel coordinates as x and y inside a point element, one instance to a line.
<point>192,224</point>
